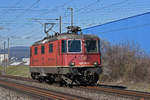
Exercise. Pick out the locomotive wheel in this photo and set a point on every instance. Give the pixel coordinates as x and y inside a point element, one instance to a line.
<point>92,79</point>
<point>33,76</point>
<point>50,79</point>
<point>69,85</point>
<point>41,79</point>
<point>62,83</point>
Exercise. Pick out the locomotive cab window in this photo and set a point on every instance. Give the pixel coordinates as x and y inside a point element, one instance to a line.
<point>42,49</point>
<point>74,46</point>
<point>63,46</point>
<point>91,46</point>
<point>50,48</point>
<point>35,50</point>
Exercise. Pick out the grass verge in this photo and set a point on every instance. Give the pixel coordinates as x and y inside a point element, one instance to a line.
<point>17,71</point>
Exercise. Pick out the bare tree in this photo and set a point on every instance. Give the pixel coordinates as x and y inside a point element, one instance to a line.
<point>125,61</point>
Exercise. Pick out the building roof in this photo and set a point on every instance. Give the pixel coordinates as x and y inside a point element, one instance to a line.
<point>65,36</point>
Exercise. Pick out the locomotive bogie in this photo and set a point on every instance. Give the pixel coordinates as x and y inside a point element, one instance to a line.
<point>78,76</point>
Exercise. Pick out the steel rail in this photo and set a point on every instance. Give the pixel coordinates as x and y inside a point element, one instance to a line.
<point>139,94</point>
<point>18,78</point>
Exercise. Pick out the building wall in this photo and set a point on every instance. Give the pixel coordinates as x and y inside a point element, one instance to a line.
<point>2,58</point>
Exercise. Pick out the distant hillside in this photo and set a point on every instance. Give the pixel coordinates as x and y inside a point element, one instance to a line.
<point>18,51</point>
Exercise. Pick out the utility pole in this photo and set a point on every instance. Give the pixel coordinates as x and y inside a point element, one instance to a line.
<point>60,23</point>
<point>8,53</point>
<point>4,59</point>
<point>71,9</point>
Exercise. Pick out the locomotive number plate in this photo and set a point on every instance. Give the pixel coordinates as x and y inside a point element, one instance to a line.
<point>84,63</point>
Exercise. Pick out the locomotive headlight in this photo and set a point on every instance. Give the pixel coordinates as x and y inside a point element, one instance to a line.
<point>72,64</point>
<point>95,63</point>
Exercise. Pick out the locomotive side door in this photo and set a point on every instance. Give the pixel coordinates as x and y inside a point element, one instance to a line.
<point>52,54</point>
<point>58,58</point>
<point>58,54</point>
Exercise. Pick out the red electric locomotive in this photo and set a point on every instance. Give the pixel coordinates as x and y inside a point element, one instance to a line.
<point>67,58</point>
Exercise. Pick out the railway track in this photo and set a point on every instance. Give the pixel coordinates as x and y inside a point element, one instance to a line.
<point>119,92</point>
<point>137,95</point>
<point>18,78</point>
<point>39,93</point>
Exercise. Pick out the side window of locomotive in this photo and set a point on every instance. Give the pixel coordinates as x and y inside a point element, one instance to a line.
<point>35,50</point>
<point>42,49</point>
<point>74,46</point>
<point>91,46</point>
<point>63,46</point>
<point>50,48</point>
<point>30,52</point>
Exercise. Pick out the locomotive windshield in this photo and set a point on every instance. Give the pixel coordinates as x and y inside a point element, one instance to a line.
<point>74,46</point>
<point>91,46</point>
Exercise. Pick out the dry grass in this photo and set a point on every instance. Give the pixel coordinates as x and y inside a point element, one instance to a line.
<point>17,71</point>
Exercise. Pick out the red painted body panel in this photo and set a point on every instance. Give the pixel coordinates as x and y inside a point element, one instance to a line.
<point>59,59</point>
<point>46,59</point>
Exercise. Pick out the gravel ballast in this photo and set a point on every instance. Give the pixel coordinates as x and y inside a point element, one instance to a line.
<point>8,94</point>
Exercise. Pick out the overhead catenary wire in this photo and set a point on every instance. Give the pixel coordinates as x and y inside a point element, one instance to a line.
<point>14,6</point>
<point>55,9</point>
<point>28,9</point>
<point>85,9</point>
<point>102,7</point>
<point>88,9</point>
<point>33,5</point>
<point>6,12</point>
<point>25,12</point>
<point>64,4</point>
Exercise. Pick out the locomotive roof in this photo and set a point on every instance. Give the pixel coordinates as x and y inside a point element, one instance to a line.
<point>66,36</point>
